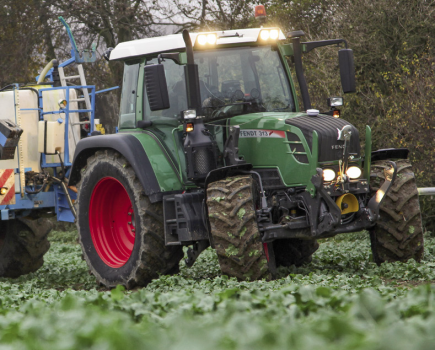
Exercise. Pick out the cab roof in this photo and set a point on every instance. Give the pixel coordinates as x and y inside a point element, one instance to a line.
<point>148,46</point>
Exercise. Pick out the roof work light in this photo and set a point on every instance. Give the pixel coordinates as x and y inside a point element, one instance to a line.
<point>206,39</point>
<point>269,34</point>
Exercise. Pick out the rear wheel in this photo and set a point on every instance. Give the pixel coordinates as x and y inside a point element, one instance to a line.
<point>23,243</point>
<point>398,234</point>
<point>120,230</point>
<point>234,229</point>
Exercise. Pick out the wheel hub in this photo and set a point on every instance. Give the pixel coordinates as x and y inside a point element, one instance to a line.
<point>112,222</point>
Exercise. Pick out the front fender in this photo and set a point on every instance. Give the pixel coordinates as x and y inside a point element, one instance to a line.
<point>134,149</point>
<point>224,172</point>
<point>389,153</point>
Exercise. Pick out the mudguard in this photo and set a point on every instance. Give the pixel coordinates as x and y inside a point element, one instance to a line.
<point>390,153</point>
<point>224,172</point>
<point>130,147</point>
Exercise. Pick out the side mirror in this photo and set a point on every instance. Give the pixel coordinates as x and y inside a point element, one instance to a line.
<point>156,87</point>
<point>347,70</point>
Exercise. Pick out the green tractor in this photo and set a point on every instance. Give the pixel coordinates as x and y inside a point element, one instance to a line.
<point>214,150</point>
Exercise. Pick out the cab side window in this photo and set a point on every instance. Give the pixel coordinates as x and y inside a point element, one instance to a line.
<point>177,92</point>
<point>127,110</point>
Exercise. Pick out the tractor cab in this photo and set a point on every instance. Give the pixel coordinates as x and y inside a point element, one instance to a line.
<point>238,73</point>
<point>214,80</point>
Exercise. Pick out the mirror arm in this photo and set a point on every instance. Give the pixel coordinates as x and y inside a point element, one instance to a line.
<point>189,47</point>
<point>297,55</point>
<point>308,46</point>
<point>174,56</point>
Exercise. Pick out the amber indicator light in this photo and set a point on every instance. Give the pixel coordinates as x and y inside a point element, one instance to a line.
<point>260,11</point>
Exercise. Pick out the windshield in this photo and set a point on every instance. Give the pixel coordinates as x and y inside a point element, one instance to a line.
<point>242,80</point>
<point>232,81</point>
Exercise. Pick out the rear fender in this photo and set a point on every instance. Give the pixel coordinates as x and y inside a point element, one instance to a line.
<point>133,149</point>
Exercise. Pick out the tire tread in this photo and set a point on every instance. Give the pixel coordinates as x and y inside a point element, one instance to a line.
<point>398,234</point>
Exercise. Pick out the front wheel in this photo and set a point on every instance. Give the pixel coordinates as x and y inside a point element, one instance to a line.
<point>233,223</point>
<point>120,230</point>
<point>398,234</point>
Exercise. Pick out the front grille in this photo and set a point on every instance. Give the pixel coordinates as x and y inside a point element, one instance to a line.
<point>326,127</point>
<point>297,148</point>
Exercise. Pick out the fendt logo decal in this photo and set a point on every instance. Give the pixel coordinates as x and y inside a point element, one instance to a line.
<point>337,146</point>
<point>7,181</point>
<point>249,133</point>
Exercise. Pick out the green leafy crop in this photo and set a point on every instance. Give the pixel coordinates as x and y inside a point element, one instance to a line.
<point>340,301</point>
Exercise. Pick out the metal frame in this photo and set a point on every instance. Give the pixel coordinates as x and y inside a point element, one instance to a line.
<point>426,191</point>
<point>54,198</point>
<point>67,111</point>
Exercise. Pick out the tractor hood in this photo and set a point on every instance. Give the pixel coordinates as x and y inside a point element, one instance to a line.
<point>327,128</point>
<point>291,135</point>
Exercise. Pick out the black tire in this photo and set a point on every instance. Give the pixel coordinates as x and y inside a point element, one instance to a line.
<point>398,234</point>
<point>294,251</point>
<point>109,258</point>
<point>23,243</point>
<point>234,229</point>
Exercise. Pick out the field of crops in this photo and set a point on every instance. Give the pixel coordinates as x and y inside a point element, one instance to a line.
<point>340,301</point>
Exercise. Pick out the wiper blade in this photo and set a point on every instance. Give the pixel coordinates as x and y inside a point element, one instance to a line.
<point>229,104</point>
<point>280,109</point>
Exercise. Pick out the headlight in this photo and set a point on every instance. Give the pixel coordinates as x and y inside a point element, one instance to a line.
<point>211,39</point>
<point>189,114</point>
<point>274,34</point>
<point>204,39</point>
<point>335,101</point>
<point>354,172</point>
<point>328,174</point>
<point>264,35</point>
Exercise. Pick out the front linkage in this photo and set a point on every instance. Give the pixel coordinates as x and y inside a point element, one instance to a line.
<point>327,223</point>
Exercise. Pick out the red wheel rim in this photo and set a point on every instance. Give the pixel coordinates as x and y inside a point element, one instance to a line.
<point>266,251</point>
<point>111,221</point>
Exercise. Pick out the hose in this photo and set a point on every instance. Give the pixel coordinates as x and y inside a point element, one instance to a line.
<point>68,198</point>
<point>8,87</point>
<point>45,71</point>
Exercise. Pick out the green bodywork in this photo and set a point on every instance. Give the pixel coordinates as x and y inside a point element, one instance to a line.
<point>265,152</point>
<point>166,171</point>
<point>163,141</point>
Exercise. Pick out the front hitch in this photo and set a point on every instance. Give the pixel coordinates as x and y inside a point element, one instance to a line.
<point>330,223</point>
<point>376,201</point>
<point>368,215</point>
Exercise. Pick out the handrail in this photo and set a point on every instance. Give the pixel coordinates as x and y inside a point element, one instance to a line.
<point>426,191</point>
